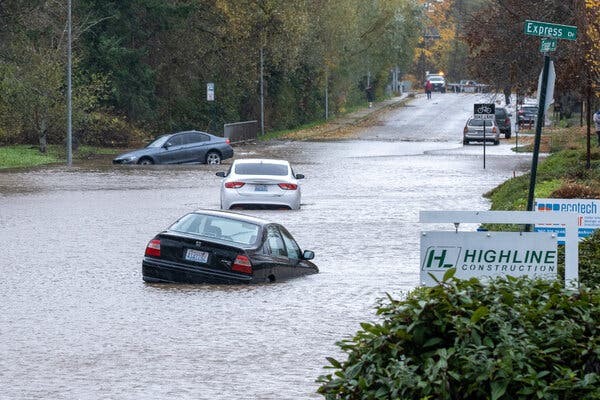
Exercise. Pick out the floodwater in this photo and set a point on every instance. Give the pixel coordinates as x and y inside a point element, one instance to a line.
<point>77,321</point>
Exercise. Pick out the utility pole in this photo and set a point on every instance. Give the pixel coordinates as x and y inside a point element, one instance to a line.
<point>326,93</point>
<point>69,103</point>
<point>262,94</point>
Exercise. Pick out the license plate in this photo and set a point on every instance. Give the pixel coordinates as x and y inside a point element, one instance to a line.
<point>195,255</point>
<point>260,188</point>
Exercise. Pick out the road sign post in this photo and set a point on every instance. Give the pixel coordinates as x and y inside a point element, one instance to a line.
<point>485,112</point>
<point>549,32</point>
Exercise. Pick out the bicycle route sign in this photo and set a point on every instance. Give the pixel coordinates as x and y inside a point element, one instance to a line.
<point>484,111</point>
<point>548,30</point>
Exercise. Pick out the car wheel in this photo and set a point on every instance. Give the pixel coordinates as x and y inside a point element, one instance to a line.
<point>213,158</point>
<point>496,142</point>
<point>465,141</point>
<point>145,161</point>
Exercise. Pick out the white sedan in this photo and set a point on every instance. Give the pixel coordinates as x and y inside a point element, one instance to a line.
<point>264,183</point>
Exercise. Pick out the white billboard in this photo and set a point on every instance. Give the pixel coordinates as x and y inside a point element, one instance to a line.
<point>487,254</point>
<point>588,219</point>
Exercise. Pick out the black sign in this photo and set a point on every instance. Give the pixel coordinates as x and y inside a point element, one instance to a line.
<point>484,110</point>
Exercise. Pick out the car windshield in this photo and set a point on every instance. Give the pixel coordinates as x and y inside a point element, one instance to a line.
<point>479,122</point>
<point>159,142</point>
<point>261,169</point>
<point>436,79</point>
<point>212,226</point>
<point>530,109</point>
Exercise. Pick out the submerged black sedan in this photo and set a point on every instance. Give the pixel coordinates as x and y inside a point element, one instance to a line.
<point>209,246</point>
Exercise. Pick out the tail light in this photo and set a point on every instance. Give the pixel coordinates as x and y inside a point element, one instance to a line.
<point>227,141</point>
<point>153,248</point>
<point>242,264</point>
<point>465,130</point>
<point>288,186</point>
<point>234,185</point>
<point>494,130</point>
<point>507,121</point>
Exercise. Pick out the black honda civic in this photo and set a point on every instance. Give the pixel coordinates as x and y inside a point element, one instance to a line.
<point>222,247</point>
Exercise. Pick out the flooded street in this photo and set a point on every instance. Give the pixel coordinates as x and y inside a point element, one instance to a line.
<point>77,321</point>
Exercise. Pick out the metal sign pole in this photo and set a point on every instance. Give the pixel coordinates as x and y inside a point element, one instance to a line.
<point>538,134</point>
<point>484,123</point>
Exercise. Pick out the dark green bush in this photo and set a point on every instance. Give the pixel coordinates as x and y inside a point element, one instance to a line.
<point>104,130</point>
<point>589,260</point>
<point>509,339</point>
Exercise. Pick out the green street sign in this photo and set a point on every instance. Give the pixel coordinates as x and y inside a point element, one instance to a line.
<point>544,29</point>
<point>548,45</point>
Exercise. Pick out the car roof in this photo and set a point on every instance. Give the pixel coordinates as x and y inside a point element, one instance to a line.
<point>177,133</point>
<point>260,160</point>
<point>234,215</point>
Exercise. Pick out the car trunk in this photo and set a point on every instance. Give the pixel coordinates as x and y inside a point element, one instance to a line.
<point>198,251</point>
<point>267,187</point>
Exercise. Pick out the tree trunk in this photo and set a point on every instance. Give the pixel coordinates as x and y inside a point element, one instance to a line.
<point>43,136</point>
<point>507,94</point>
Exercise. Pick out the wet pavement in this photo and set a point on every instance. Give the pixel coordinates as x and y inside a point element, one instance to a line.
<point>77,322</point>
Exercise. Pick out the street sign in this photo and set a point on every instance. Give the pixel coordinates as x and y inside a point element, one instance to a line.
<point>549,87</point>
<point>210,91</point>
<point>548,45</point>
<point>484,111</point>
<point>545,29</point>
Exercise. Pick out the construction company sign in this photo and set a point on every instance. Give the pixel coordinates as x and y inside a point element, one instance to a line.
<point>588,219</point>
<point>487,254</point>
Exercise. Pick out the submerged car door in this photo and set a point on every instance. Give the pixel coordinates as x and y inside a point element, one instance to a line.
<point>274,246</point>
<point>197,146</point>
<point>298,267</point>
<point>173,150</point>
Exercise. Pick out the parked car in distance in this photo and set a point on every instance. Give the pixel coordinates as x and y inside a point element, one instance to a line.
<point>503,121</point>
<point>526,114</point>
<point>223,247</point>
<point>180,148</point>
<point>473,131</point>
<point>260,183</point>
<point>467,86</point>
<point>438,82</point>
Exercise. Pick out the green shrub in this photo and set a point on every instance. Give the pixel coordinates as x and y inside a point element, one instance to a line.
<point>589,260</point>
<point>105,130</point>
<point>509,339</point>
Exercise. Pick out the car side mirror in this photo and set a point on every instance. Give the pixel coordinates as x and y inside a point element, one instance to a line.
<point>166,146</point>
<point>221,174</point>
<point>299,176</point>
<point>308,255</point>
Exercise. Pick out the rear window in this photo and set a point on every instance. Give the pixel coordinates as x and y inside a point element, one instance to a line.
<point>221,228</point>
<point>261,169</point>
<point>479,122</point>
<point>500,112</point>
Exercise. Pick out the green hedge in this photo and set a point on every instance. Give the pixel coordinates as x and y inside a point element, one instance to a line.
<point>509,339</point>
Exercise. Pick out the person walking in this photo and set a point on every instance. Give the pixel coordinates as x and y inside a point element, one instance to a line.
<point>428,88</point>
<point>597,123</point>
